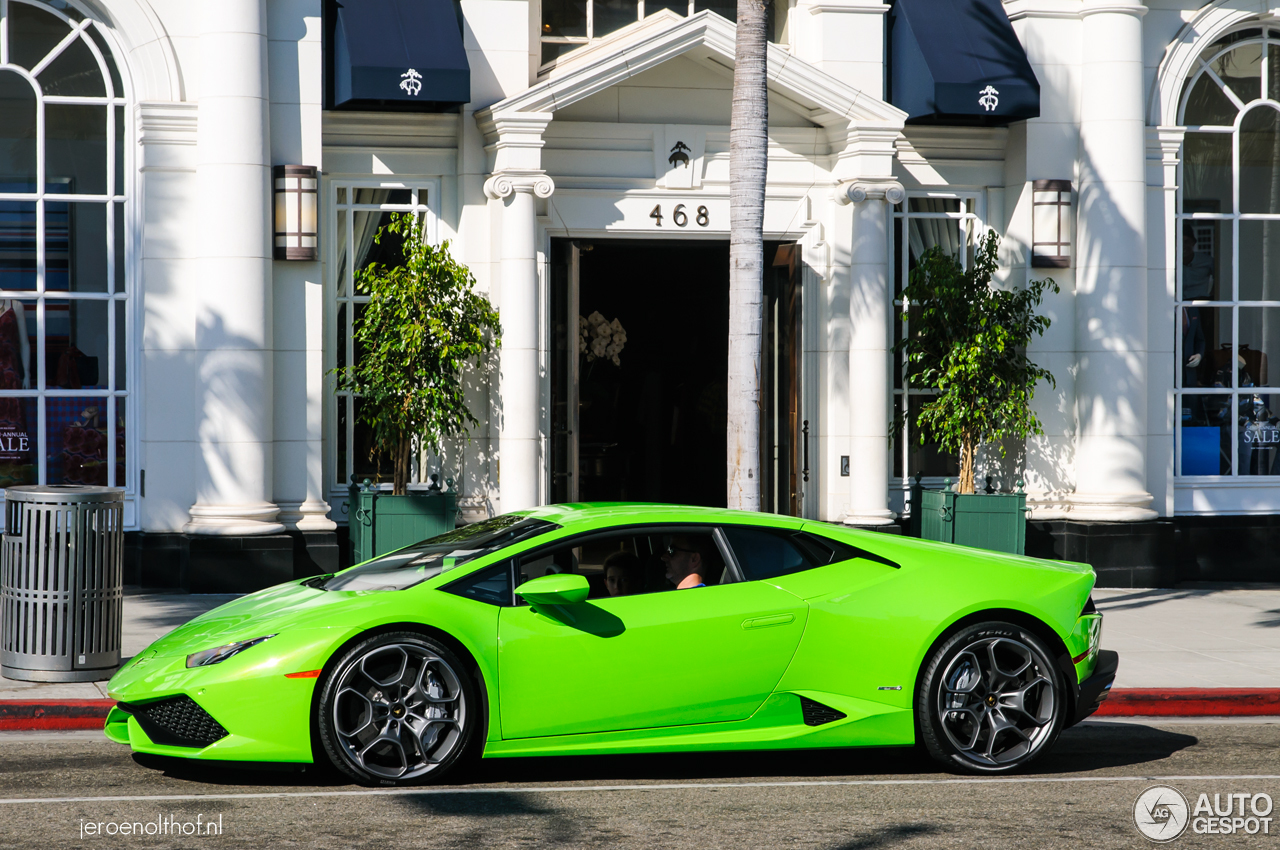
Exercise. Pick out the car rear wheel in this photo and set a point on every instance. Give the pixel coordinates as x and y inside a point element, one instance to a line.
<point>991,699</point>
<point>397,709</point>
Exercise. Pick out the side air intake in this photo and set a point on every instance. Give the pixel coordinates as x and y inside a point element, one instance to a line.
<point>177,722</point>
<point>816,714</point>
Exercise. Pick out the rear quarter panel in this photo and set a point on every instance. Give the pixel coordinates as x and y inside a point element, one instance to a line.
<point>871,625</point>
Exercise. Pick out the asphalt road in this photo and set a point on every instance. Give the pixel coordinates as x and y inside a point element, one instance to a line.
<point>1082,795</point>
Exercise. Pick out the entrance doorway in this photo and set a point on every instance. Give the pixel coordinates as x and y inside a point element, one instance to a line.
<point>651,427</point>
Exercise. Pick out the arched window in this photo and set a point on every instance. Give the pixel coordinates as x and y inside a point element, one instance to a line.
<point>64,293</point>
<point>1228,309</point>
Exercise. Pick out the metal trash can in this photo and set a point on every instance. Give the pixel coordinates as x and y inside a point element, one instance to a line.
<point>61,583</point>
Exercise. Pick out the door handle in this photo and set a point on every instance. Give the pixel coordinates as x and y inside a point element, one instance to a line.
<point>766,622</point>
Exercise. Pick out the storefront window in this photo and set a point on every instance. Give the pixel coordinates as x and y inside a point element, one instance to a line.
<point>569,24</point>
<point>949,223</point>
<point>64,294</point>
<point>1228,308</point>
<point>360,210</point>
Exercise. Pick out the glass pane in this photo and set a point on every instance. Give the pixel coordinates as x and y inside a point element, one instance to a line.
<point>122,138</point>
<point>375,466</point>
<point>564,17</point>
<point>1206,173</point>
<point>342,196</point>
<point>343,478</point>
<point>1205,435</point>
<point>680,7</point>
<point>388,251</point>
<point>1206,346</point>
<point>76,451</point>
<point>553,50</point>
<point>120,433</point>
<point>1259,343</point>
<point>74,73</point>
<point>76,146</point>
<point>76,345</point>
<point>121,347</point>
<point>1241,70</point>
<point>1208,105</point>
<point>724,8</point>
<point>17,344</point>
<point>1259,261</point>
<point>76,246</point>
<point>17,134</point>
<point>613,15</point>
<point>342,336</point>
<point>122,280</point>
<point>357,351</point>
<point>18,424</point>
<point>18,245</point>
<point>1260,161</point>
<point>928,459</point>
<point>1206,259</point>
<point>383,196</point>
<point>341,267</point>
<point>32,34</point>
<point>1259,435</point>
<point>116,85</point>
<point>925,233</point>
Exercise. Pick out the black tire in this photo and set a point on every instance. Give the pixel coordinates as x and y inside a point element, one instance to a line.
<point>991,699</point>
<point>398,709</point>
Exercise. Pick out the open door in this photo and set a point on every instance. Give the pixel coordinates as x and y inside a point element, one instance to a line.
<point>564,370</point>
<point>783,436</point>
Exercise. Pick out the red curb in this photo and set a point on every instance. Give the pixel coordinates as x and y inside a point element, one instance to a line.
<point>1191,702</point>
<point>25,715</point>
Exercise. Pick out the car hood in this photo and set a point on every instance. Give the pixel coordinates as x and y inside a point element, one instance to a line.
<point>286,606</point>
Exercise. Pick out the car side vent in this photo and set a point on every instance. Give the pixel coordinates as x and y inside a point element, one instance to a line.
<point>178,722</point>
<point>816,714</point>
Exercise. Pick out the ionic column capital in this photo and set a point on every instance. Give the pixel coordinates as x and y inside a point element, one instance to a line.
<point>504,183</point>
<point>857,191</point>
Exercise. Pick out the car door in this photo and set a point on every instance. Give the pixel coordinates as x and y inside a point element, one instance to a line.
<point>660,658</point>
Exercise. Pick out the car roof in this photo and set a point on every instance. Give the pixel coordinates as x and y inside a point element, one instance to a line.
<point>594,513</point>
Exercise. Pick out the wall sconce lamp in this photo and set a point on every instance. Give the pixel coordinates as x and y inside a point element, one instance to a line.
<point>1051,224</point>
<point>296,192</point>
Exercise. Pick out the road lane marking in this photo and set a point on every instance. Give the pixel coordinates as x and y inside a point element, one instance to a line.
<point>667,786</point>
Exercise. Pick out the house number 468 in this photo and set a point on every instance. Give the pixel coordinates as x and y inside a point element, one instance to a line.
<point>680,217</point>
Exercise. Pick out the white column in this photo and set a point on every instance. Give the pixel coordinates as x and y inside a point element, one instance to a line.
<point>298,294</point>
<point>870,310</point>
<point>519,462</point>
<point>823,30</point>
<point>1111,287</point>
<point>233,323</point>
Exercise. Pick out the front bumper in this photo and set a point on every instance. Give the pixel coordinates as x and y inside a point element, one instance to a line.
<point>1094,690</point>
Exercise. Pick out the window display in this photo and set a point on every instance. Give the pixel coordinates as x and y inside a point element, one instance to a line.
<point>64,296</point>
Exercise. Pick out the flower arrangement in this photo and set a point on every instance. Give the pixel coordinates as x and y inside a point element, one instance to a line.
<point>601,339</point>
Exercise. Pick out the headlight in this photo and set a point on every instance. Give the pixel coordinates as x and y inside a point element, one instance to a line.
<point>221,653</point>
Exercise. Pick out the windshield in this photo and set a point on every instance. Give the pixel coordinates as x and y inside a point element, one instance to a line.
<point>421,561</point>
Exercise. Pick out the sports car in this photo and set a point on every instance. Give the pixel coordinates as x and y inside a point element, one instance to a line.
<point>558,631</point>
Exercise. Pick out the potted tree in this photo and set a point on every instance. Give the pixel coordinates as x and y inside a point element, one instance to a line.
<point>968,341</point>
<point>423,329</point>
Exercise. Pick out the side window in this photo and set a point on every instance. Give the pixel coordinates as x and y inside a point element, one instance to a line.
<point>767,553</point>
<point>629,562</point>
<point>492,585</point>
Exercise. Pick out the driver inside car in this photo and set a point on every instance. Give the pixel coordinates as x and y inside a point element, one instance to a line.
<point>691,561</point>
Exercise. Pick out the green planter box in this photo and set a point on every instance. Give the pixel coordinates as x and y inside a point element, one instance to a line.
<point>996,521</point>
<point>382,523</point>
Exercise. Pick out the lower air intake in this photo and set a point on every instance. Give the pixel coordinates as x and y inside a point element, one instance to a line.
<point>178,722</point>
<point>816,714</point>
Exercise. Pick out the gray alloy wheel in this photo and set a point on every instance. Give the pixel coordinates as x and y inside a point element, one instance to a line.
<point>397,709</point>
<point>992,698</point>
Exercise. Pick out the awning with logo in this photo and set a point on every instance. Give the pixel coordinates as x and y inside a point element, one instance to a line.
<point>959,61</point>
<point>396,54</point>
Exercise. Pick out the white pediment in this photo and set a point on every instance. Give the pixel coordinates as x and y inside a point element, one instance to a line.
<point>665,48</point>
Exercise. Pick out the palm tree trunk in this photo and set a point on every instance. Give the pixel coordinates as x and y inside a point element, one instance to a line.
<point>748,165</point>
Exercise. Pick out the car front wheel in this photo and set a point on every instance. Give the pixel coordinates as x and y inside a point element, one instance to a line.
<point>397,709</point>
<point>991,699</point>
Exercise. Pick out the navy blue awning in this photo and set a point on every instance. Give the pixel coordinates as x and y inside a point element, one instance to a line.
<point>397,54</point>
<point>959,59</point>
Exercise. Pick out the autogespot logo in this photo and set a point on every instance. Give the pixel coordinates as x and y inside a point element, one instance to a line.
<point>1161,813</point>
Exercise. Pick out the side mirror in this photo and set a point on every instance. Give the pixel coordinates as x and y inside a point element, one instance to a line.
<point>555,589</point>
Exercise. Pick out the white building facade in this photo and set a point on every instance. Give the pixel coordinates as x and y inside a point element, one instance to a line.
<point>151,340</point>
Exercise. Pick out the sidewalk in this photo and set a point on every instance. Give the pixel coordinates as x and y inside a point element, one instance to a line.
<point>1190,651</point>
